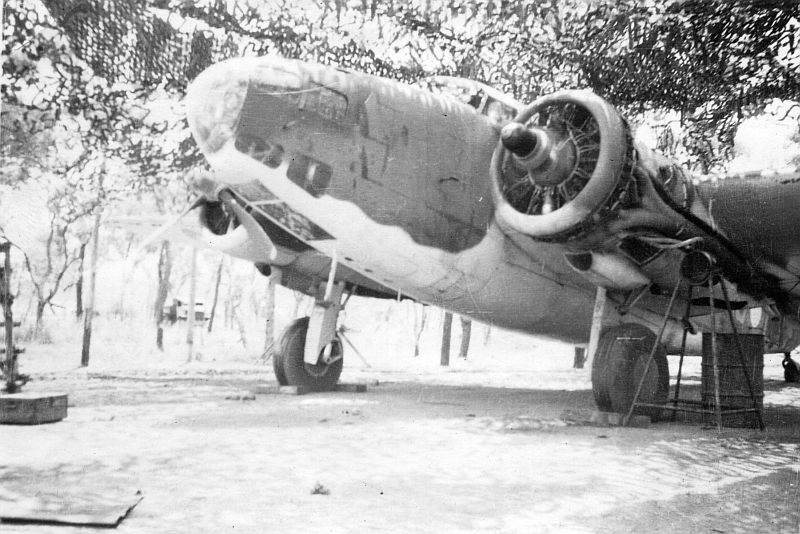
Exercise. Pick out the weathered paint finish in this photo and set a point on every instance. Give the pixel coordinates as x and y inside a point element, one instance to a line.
<point>760,214</point>
<point>397,208</point>
<point>397,181</point>
<point>379,146</point>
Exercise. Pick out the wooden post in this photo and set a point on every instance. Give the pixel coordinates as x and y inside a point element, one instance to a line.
<point>597,325</point>
<point>446,330</point>
<point>190,313</point>
<point>88,310</point>
<point>466,331</point>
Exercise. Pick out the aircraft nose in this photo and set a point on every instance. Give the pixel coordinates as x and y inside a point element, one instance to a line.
<point>214,102</point>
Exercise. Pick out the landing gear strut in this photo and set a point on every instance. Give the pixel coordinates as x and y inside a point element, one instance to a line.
<point>309,353</point>
<point>292,370</point>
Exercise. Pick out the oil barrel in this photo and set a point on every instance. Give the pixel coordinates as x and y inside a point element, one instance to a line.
<point>733,390</point>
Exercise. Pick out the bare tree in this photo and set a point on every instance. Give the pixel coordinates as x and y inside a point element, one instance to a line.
<point>164,273</point>
<point>88,312</point>
<point>79,282</point>
<point>269,321</point>
<point>190,314</point>
<point>447,328</point>
<point>217,280</point>
<point>420,318</point>
<point>466,331</point>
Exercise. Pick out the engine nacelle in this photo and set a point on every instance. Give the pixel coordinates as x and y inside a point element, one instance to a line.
<point>230,228</point>
<point>564,165</point>
<point>566,170</point>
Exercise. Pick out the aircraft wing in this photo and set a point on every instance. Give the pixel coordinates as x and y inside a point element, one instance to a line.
<point>760,212</point>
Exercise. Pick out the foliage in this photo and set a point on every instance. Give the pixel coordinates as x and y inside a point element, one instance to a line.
<point>713,61</point>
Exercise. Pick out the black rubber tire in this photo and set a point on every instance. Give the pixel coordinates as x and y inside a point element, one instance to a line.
<point>601,375</point>
<point>296,371</point>
<point>277,368</point>
<point>618,366</point>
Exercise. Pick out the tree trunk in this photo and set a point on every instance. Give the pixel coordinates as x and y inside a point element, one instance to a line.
<point>79,283</point>
<point>190,313</point>
<point>8,320</point>
<point>216,295</point>
<point>40,307</point>
<point>419,325</point>
<point>164,272</point>
<point>466,331</point>
<point>447,328</point>
<point>88,311</point>
<point>229,298</point>
<point>269,323</point>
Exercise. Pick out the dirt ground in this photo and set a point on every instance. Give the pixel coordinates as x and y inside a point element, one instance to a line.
<point>409,455</point>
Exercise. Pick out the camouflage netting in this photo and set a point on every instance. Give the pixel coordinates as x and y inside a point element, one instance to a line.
<point>714,61</point>
<point>125,41</point>
<point>149,44</point>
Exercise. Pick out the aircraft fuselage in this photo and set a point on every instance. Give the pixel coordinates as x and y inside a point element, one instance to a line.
<point>393,183</point>
<point>391,180</point>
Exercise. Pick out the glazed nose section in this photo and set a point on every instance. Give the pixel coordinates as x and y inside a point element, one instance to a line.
<point>214,102</point>
<point>238,95</point>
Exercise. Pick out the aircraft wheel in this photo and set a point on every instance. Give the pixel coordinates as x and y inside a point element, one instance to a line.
<point>295,371</point>
<point>601,375</point>
<point>277,368</point>
<point>618,367</point>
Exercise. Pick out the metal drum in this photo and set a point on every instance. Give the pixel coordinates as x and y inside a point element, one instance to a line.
<point>733,391</point>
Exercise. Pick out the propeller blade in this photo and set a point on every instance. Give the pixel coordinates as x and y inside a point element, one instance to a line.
<point>162,230</point>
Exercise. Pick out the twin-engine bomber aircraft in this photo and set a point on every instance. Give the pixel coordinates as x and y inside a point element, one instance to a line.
<point>339,183</point>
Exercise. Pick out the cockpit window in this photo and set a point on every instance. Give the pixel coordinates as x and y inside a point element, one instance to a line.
<point>490,102</point>
<point>459,89</point>
<point>499,112</point>
<point>288,86</point>
<point>267,80</point>
<point>329,104</point>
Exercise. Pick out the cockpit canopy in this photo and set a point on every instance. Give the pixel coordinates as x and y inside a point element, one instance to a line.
<point>500,108</point>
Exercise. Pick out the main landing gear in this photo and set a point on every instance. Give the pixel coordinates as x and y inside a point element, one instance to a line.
<point>309,352</point>
<point>619,363</point>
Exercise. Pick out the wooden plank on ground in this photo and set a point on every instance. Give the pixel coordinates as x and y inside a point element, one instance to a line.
<point>351,388</point>
<point>58,508</point>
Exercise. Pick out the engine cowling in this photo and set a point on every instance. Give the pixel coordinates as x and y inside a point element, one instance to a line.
<point>564,164</point>
<point>566,170</point>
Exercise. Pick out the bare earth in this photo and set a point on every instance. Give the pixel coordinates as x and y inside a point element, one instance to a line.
<point>407,456</point>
